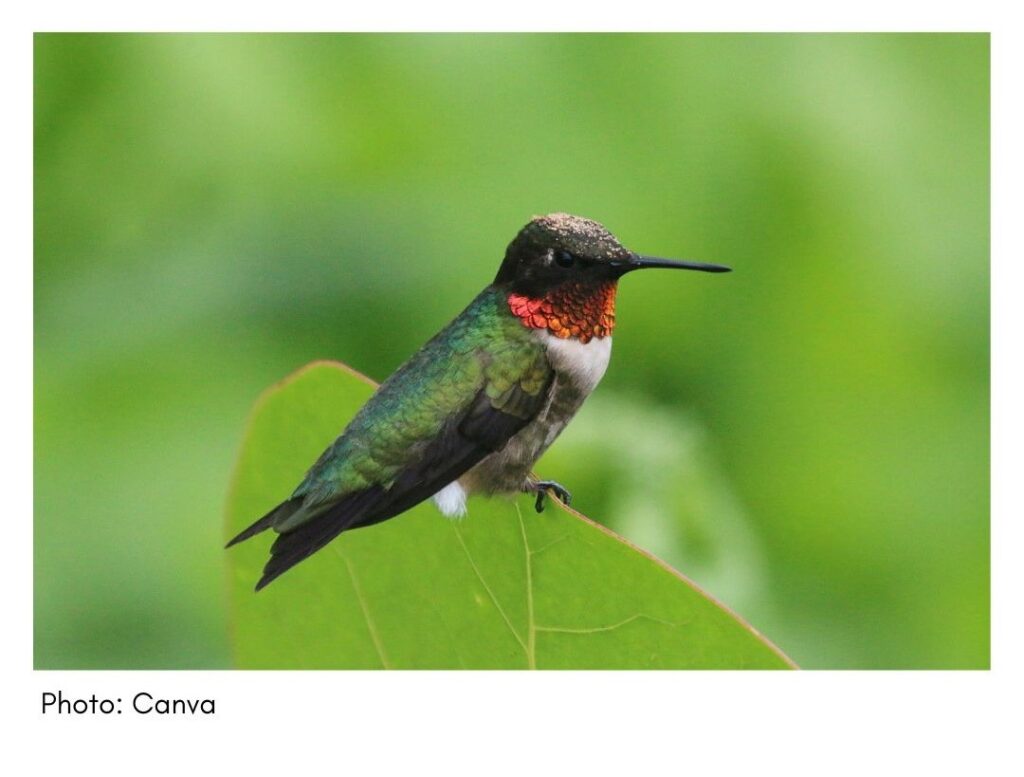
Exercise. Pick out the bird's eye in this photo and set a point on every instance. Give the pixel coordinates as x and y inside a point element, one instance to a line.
<point>564,259</point>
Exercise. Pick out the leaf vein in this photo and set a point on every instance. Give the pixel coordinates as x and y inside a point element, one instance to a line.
<point>610,627</point>
<point>547,545</point>
<point>490,593</point>
<point>370,625</point>
<point>531,650</point>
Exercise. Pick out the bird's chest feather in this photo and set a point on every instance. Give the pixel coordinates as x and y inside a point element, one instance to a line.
<point>578,363</point>
<point>578,367</point>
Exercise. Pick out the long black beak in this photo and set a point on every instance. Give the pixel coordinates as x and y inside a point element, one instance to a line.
<point>640,262</point>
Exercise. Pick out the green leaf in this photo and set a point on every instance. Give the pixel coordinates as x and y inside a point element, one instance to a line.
<point>502,588</point>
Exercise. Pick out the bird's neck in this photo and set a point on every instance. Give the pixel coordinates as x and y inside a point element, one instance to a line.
<point>573,310</point>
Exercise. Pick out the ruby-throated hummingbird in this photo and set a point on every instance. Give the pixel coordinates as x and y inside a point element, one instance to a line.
<point>476,406</point>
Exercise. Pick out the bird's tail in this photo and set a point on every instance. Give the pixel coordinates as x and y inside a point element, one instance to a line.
<point>296,544</point>
<point>279,513</point>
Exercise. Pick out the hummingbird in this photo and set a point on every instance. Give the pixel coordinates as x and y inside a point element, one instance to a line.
<point>474,408</point>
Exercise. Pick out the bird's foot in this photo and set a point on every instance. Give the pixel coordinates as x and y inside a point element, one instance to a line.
<point>545,487</point>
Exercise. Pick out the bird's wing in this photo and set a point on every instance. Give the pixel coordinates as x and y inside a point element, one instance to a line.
<point>458,400</point>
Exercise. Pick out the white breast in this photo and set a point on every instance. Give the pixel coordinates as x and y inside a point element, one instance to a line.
<point>585,363</point>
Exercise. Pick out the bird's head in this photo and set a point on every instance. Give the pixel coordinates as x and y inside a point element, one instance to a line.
<point>559,248</point>
<point>565,268</point>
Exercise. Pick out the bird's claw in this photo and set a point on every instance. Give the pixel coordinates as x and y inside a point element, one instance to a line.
<point>543,487</point>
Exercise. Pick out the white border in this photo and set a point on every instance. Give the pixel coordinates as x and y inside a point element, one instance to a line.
<point>523,15</point>
<point>701,723</point>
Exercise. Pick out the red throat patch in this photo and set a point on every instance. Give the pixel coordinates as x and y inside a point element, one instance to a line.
<point>574,310</point>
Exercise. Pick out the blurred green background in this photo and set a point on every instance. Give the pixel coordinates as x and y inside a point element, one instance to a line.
<point>806,437</point>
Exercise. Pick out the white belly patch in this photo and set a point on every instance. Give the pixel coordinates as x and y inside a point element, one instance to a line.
<point>451,500</point>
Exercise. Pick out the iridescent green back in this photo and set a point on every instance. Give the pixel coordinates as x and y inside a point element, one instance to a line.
<point>484,349</point>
